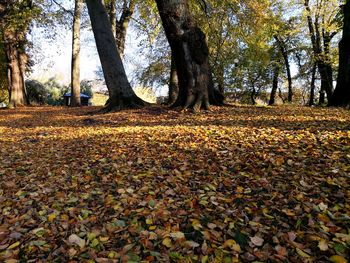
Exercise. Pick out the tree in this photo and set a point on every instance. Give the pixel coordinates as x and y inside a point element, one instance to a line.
<point>75,71</point>
<point>14,24</point>
<point>173,83</point>
<point>120,25</point>
<point>120,92</point>
<point>188,46</point>
<point>322,30</point>
<point>276,72</point>
<point>341,96</point>
<point>285,54</point>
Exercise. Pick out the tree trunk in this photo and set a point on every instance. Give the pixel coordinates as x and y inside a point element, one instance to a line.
<point>285,56</point>
<point>322,57</point>
<point>252,95</point>
<point>341,96</point>
<point>121,94</point>
<point>15,63</point>
<point>122,25</point>
<point>189,47</point>
<point>312,86</point>
<point>327,78</point>
<point>173,83</point>
<point>75,74</point>
<point>276,72</point>
<point>112,11</point>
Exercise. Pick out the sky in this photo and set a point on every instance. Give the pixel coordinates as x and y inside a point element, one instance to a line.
<point>53,56</point>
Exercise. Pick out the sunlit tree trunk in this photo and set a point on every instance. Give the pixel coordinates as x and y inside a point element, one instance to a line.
<point>341,96</point>
<point>121,94</point>
<point>112,13</point>
<point>122,24</point>
<point>75,74</point>
<point>189,47</point>
<point>16,67</point>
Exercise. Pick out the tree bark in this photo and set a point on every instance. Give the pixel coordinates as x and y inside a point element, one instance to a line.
<point>189,47</point>
<point>75,73</point>
<point>112,12</point>
<point>276,72</point>
<point>341,96</point>
<point>312,86</point>
<point>173,83</point>
<point>15,62</point>
<point>321,55</point>
<point>123,23</point>
<point>121,94</point>
<point>285,56</point>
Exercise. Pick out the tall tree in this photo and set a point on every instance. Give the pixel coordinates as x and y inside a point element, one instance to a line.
<point>341,96</point>
<point>121,94</point>
<point>322,29</point>
<point>14,24</point>
<point>189,47</point>
<point>75,73</point>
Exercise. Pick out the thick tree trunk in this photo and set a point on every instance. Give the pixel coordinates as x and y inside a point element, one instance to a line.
<point>189,47</point>
<point>312,86</point>
<point>121,94</point>
<point>173,83</point>
<point>276,72</point>
<point>15,63</point>
<point>75,74</point>
<point>285,56</point>
<point>341,96</point>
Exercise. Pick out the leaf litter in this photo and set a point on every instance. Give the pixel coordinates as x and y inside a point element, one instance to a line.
<point>230,185</point>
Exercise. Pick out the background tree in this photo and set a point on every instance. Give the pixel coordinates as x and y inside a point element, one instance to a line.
<point>75,72</point>
<point>14,24</point>
<point>323,25</point>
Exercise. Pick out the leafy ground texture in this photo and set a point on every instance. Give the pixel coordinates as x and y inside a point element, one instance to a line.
<point>236,184</point>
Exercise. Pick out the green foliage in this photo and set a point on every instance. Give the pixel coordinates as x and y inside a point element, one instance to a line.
<point>86,87</point>
<point>36,92</point>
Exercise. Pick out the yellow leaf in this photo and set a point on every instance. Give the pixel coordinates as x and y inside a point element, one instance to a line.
<point>232,244</point>
<point>51,217</point>
<point>302,253</point>
<point>338,259</point>
<point>205,259</point>
<point>167,242</point>
<point>196,224</point>
<point>14,245</point>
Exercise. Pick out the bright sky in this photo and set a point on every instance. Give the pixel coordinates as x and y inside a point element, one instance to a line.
<point>53,58</point>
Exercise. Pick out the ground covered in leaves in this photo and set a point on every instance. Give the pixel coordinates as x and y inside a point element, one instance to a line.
<point>236,184</point>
